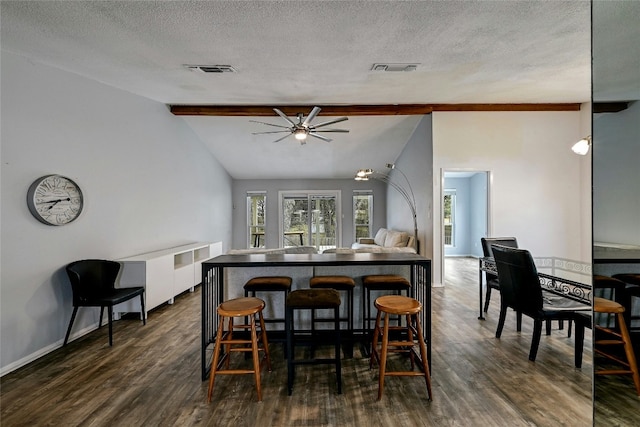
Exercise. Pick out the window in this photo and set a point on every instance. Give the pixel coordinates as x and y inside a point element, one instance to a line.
<point>449,215</point>
<point>310,218</point>
<point>362,214</point>
<point>256,205</point>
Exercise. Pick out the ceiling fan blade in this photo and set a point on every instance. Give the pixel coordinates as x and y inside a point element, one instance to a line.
<point>332,130</point>
<point>324,138</point>
<point>271,131</point>
<point>286,136</point>
<point>269,124</point>
<point>330,122</point>
<point>284,116</point>
<point>312,115</point>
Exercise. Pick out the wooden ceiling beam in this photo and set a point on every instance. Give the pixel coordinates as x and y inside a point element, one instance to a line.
<point>360,110</point>
<point>609,107</point>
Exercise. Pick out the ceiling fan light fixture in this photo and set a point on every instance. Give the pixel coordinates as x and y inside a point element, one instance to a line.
<point>300,134</point>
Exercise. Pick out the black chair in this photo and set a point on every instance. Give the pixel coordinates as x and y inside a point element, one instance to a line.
<point>93,285</point>
<point>492,279</point>
<point>520,290</point>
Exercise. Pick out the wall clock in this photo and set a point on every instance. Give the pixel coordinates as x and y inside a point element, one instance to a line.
<point>54,200</point>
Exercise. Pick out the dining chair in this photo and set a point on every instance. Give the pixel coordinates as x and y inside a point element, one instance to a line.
<point>492,279</point>
<point>520,290</point>
<point>93,285</point>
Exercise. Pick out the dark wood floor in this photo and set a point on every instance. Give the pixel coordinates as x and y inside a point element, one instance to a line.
<point>151,376</point>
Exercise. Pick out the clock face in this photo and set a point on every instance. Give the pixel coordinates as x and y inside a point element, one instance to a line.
<point>54,200</point>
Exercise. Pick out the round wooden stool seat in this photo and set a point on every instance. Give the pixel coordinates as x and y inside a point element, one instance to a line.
<point>398,304</point>
<point>244,306</point>
<point>313,298</point>
<point>385,282</point>
<point>341,283</point>
<point>602,305</point>
<point>268,283</point>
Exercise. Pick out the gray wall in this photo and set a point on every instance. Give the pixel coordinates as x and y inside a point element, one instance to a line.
<point>416,161</point>
<point>149,183</point>
<point>616,176</point>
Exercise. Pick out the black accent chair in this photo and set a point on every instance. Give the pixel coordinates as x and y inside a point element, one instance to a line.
<point>520,290</point>
<point>492,279</point>
<point>93,285</point>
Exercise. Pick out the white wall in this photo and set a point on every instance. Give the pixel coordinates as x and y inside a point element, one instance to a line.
<point>616,176</point>
<point>536,189</point>
<point>148,181</point>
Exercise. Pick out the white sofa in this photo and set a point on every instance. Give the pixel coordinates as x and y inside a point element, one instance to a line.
<point>386,238</point>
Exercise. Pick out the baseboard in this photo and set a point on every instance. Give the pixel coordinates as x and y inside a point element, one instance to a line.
<point>44,351</point>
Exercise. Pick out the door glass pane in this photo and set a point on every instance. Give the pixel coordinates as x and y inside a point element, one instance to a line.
<point>295,220</point>
<point>449,207</point>
<point>256,219</point>
<point>323,222</point>
<point>362,215</point>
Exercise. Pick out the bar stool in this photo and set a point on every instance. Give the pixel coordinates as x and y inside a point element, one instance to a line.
<point>380,282</point>
<point>339,283</point>
<point>632,291</point>
<point>312,299</point>
<point>265,284</point>
<point>239,307</point>
<point>401,306</point>
<point>601,305</point>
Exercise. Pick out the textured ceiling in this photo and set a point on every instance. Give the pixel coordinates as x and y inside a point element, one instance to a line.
<point>312,52</point>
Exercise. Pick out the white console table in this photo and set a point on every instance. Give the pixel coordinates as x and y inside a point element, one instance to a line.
<point>164,274</point>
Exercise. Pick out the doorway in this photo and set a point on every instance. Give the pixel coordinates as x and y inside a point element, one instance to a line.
<point>465,213</point>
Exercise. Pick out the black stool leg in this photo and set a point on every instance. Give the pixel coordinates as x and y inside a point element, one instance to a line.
<point>338,341</point>
<point>290,353</point>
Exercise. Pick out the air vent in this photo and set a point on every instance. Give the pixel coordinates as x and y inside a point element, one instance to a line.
<point>211,68</point>
<point>394,67</point>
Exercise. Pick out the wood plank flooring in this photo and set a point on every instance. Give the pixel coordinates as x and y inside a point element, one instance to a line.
<point>151,376</point>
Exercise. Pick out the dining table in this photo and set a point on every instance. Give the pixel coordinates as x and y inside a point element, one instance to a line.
<point>213,284</point>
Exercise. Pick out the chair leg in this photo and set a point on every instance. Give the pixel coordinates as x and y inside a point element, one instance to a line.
<point>579,342</point>
<point>73,317</point>
<point>144,315</point>
<point>487,298</point>
<point>518,321</point>
<point>110,317</point>
<point>101,314</point>
<point>503,315</point>
<point>423,355</point>
<point>535,340</point>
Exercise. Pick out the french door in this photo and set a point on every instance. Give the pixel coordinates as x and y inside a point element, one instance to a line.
<point>310,218</point>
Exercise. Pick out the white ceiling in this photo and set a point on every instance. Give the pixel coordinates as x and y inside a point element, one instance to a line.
<point>308,53</point>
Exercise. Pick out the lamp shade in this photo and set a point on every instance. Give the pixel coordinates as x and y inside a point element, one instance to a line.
<point>582,147</point>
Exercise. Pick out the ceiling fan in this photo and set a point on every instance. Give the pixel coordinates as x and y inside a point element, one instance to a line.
<point>303,128</point>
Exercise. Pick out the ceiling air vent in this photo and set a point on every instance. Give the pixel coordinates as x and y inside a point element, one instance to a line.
<point>211,68</point>
<point>394,67</point>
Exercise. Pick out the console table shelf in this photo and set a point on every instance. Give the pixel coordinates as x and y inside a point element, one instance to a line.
<point>164,274</point>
